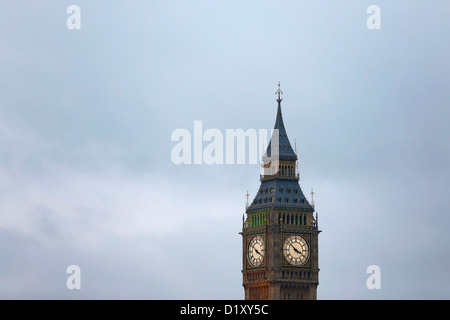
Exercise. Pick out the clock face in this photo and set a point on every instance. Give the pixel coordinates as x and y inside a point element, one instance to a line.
<point>295,250</point>
<point>256,250</point>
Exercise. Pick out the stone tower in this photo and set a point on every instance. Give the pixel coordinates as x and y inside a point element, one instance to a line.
<point>280,232</point>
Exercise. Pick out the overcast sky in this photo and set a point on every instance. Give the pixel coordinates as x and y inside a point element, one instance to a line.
<point>86,118</point>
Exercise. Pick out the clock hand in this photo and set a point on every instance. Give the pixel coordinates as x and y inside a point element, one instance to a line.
<point>294,247</point>
<point>257,251</point>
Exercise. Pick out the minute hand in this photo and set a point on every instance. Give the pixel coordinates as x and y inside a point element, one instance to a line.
<point>294,247</point>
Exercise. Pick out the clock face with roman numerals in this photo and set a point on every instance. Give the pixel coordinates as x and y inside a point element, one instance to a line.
<point>295,250</point>
<point>256,250</point>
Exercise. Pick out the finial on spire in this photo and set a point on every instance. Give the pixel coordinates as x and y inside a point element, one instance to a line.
<point>246,203</point>
<point>312,198</point>
<point>279,92</point>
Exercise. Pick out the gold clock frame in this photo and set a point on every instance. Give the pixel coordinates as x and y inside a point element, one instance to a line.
<point>249,239</point>
<point>307,238</point>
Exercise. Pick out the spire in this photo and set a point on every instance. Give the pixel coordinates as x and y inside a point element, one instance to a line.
<point>285,148</point>
<point>280,186</point>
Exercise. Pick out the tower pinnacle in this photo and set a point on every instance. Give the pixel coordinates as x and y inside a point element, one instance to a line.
<point>246,203</point>
<point>279,92</point>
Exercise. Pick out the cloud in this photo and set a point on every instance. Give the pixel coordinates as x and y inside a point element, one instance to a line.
<point>86,119</point>
<point>128,233</point>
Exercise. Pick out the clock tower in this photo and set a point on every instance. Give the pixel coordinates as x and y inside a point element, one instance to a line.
<point>280,232</point>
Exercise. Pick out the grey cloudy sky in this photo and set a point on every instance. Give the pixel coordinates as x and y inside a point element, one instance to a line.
<point>86,118</point>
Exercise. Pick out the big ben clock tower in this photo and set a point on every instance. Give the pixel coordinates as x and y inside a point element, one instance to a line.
<point>280,232</point>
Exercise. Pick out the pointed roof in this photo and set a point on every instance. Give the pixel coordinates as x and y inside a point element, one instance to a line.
<point>284,194</point>
<point>285,149</point>
<point>278,192</point>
